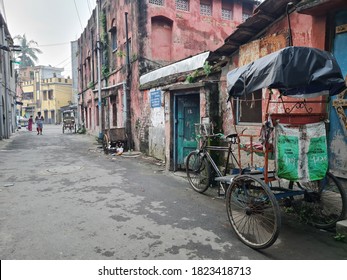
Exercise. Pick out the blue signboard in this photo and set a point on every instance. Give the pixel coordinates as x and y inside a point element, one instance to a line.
<point>155,99</point>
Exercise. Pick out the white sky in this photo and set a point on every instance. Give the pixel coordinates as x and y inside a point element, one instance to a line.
<point>53,24</point>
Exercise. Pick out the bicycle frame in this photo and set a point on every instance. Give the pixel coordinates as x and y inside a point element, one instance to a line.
<point>205,150</point>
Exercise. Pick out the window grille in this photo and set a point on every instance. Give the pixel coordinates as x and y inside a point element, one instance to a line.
<point>227,14</point>
<point>205,9</point>
<point>182,5</point>
<point>157,2</point>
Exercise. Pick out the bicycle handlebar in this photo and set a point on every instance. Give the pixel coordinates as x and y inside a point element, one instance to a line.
<point>232,136</point>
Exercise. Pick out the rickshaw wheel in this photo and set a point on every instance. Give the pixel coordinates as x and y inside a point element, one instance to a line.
<point>105,141</point>
<point>253,212</point>
<point>323,204</point>
<point>198,171</point>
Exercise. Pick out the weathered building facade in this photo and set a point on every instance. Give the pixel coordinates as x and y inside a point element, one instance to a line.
<point>319,24</point>
<point>135,38</point>
<point>7,87</point>
<point>274,25</point>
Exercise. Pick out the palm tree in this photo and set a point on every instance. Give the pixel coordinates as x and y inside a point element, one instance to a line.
<point>28,52</point>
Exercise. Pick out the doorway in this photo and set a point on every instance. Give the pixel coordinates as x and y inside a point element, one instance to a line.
<point>187,114</point>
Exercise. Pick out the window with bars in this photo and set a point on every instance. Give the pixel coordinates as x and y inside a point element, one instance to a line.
<point>227,14</point>
<point>182,5</point>
<point>157,2</point>
<point>205,8</point>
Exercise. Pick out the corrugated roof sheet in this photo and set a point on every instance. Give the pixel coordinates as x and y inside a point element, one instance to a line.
<point>264,15</point>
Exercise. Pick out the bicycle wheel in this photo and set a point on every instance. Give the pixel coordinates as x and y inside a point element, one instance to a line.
<point>198,171</point>
<point>253,212</point>
<point>323,204</point>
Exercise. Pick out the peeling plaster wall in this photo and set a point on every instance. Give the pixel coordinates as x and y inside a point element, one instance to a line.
<point>156,135</point>
<point>156,143</point>
<point>191,34</point>
<point>275,38</point>
<point>150,126</point>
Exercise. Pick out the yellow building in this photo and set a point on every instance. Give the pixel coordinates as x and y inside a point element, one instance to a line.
<point>45,95</point>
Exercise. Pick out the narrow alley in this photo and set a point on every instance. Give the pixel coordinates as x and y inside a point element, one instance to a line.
<point>62,198</point>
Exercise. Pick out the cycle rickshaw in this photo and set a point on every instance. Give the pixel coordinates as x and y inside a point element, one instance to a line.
<point>68,118</point>
<point>294,135</point>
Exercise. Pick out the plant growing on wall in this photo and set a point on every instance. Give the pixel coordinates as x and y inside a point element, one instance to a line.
<point>191,77</point>
<point>134,57</point>
<point>90,84</point>
<point>105,69</point>
<point>120,53</point>
<point>207,68</point>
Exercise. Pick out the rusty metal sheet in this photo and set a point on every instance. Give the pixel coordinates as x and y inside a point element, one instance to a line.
<point>259,48</point>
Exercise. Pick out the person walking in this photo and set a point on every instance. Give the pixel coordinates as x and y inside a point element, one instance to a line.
<point>39,123</point>
<point>30,123</point>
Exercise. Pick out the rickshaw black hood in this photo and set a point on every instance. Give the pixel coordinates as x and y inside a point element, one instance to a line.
<point>292,70</point>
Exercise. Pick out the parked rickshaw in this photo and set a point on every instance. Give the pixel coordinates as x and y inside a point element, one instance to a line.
<point>114,140</point>
<point>292,135</point>
<point>68,118</point>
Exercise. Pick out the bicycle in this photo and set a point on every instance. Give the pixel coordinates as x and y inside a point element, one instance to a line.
<point>199,162</point>
<point>252,201</point>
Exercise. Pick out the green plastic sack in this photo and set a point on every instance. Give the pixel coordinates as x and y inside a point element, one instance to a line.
<point>288,157</point>
<point>301,152</point>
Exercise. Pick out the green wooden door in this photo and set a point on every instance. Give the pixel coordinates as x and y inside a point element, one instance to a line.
<point>188,114</point>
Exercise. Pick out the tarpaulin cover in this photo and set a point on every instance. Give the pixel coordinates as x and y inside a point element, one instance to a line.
<point>292,70</point>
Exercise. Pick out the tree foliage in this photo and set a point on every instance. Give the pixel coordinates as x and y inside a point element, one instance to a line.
<point>29,51</point>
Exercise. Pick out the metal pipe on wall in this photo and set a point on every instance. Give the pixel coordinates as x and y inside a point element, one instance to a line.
<point>99,69</point>
<point>128,86</point>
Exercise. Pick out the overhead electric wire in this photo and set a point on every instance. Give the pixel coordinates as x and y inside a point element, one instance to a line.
<point>78,15</point>
<point>63,61</point>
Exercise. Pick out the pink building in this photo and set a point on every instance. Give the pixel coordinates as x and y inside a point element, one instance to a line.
<point>159,32</point>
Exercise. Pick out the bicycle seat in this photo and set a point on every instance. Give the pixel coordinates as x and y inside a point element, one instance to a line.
<point>233,135</point>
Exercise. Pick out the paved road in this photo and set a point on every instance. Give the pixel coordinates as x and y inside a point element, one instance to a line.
<point>62,198</point>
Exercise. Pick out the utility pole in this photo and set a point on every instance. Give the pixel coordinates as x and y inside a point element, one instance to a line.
<point>128,86</point>
<point>99,68</point>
